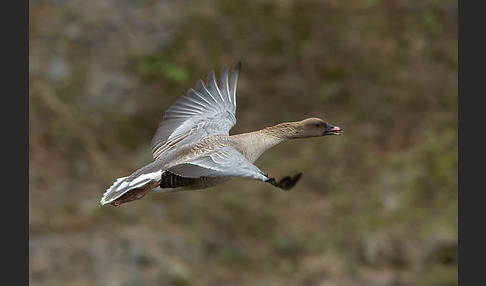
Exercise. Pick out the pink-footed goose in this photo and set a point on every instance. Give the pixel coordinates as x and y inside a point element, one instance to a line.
<point>192,148</point>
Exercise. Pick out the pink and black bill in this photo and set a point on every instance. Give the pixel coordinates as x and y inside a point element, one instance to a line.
<point>333,130</point>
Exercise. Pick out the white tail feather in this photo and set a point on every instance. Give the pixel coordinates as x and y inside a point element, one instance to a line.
<point>122,186</point>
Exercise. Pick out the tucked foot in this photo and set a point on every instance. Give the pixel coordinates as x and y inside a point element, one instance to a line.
<point>285,183</point>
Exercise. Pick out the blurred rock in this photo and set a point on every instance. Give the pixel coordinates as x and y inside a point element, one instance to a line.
<point>58,69</point>
<point>126,258</point>
<point>383,249</point>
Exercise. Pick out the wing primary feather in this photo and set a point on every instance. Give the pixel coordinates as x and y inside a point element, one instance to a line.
<point>201,87</point>
<point>224,82</point>
<point>234,82</point>
<point>182,111</point>
<point>187,103</point>
<point>195,101</point>
<point>194,93</point>
<point>213,86</point>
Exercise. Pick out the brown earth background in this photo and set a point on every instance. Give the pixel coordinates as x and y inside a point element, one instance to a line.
<point>375,206</point>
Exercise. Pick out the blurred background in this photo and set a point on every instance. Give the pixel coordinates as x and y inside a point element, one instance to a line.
<point>375,206</point>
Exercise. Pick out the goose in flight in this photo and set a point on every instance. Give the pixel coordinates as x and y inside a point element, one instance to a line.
<point>192,148</point>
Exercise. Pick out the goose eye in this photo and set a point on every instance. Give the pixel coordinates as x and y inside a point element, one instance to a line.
<point>318,124</point>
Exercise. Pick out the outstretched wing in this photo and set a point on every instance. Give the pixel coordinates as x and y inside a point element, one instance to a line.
<point>204,111</point>
<point>224,162</point>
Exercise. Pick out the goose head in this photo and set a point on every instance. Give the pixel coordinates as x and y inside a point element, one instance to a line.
<point>314,127</point>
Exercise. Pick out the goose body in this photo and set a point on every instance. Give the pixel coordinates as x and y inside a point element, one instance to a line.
<point>192,147</point>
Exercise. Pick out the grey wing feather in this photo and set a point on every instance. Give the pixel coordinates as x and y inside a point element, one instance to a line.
<point>224,162</point>
<point>203,111</point>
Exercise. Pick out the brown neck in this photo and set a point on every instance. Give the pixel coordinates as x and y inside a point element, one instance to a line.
<point>283,131</point>
<point>253,144</point>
